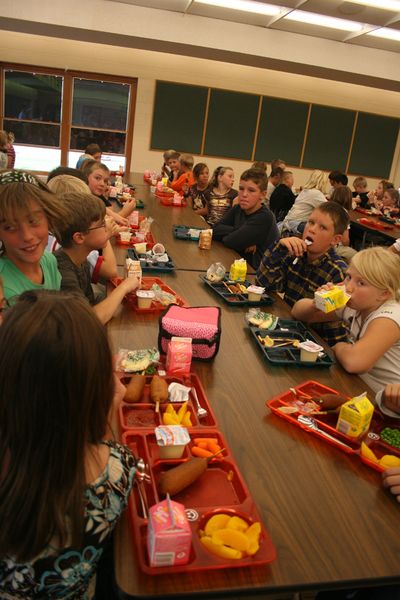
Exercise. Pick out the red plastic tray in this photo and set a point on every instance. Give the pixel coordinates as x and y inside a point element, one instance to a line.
<point>142,416</point>
<point>147,282</point>
<point>149,239</point>
<point>327,423</point>
<point>220,489</point>
<point>364,211</point>
<point>375,224</point>
<point>167,200</point>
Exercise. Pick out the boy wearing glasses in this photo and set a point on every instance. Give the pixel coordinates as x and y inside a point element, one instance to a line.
<point>83,231</point>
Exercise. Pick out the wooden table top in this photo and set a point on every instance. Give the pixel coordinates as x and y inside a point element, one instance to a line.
<point>185,254</point>
<point>391,234</point>
<point>330,520</point>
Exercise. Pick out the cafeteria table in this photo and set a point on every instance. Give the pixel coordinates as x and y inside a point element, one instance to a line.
<point>332,524</point>
<point>385,236</point>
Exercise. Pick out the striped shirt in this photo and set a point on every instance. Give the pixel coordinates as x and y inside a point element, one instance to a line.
<point>277,273</point>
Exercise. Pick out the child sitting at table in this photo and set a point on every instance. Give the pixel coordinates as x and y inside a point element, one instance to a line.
<point>27,210</point>
<point>298,269</point>
<point>98,177</point>
<point>221,194</point>
<point>372,316</point>
<point>311,196</point>
<point>198,192</point>
<point>342,195</point>
<point>62,486</point>
<point>249,227</point>
<point>390,201</point>
<point>185,178</point>
<point>170,167</point>
<point>360,194</point>
<point>376,196</point>
<point>85,230</point>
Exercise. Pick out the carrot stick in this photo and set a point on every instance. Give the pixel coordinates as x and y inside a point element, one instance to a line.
<point>201,452</point>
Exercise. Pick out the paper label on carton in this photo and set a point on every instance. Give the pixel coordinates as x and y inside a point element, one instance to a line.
<point>169,534</point>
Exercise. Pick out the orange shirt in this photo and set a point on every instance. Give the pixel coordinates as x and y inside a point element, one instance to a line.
<point>180,182</point>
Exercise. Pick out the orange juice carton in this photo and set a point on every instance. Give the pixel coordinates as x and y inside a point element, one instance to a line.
<point>329,300</point>
<point>179,356</point>
<point>169,536</point>
<point>133,269</point>
<point>238,270</point>
<point>355,416</point>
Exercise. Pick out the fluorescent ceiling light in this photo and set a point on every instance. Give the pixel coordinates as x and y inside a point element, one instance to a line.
<point>386,33</point>
<point>244,5</point>
<point>323,21</point>
<point>383,4</point>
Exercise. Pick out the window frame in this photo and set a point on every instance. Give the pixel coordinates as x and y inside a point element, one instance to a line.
<point>66,104</point>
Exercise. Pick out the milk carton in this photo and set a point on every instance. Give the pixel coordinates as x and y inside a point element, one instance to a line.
<point>133,269</point>
<point>169,536</point>
<point>355,416</point>
<point>329,300</point>
<point>238,270</point>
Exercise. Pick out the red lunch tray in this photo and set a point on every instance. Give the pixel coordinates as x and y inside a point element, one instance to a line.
<point>375,224</point>
<point>149,239</point>
<point>364,211</point>
<point>327,423</point>
<point>141,415</point>
<point>147,283</point>
<point>220,489</point>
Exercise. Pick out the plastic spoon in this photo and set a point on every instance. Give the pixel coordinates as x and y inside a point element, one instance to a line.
<point>312,424</point>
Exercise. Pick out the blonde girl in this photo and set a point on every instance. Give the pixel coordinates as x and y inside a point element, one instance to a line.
<point>372,317</point>
<point>311,196</point>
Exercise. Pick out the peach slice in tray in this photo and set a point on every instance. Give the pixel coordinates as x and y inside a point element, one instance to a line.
<point>269,342</point>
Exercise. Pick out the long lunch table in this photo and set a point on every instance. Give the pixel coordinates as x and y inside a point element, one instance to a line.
<point>332,524</point>
<point>389,234</point>
<point>185,254</point>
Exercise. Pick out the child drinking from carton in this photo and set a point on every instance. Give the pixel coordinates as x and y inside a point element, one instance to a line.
<point>83,231</point>
<point>372,315</point>
<point>298,267</point>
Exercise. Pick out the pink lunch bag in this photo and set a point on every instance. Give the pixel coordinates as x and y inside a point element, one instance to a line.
<point>201,323</point>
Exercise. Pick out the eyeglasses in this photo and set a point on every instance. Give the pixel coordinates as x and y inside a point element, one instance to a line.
<point>103,224</point>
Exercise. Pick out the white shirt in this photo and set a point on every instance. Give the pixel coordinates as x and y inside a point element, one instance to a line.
<point>387,367</point>
<point>304,204</point>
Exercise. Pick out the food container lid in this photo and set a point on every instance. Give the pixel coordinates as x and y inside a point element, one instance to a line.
<point>310,346</point>
<point>256,289</point>
<point>172,435</point>
<point>145,294</point>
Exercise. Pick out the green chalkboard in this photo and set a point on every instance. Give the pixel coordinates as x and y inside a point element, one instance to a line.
<point>178,118</point>
<point>329,138</point>
<point>231,124</point>
<point>374,145</point>
<point>281,130</point>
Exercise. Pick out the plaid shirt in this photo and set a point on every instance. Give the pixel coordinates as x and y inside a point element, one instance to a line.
<point>277,273</point>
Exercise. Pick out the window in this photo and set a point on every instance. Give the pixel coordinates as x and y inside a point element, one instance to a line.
<point>60,113</point>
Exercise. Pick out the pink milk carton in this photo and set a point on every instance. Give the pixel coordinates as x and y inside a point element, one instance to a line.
<point>133,219</point>
<point>179,356</point>
<point>169,536</point>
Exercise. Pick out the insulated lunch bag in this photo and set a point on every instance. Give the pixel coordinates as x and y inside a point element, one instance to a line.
<point>201,323</point>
